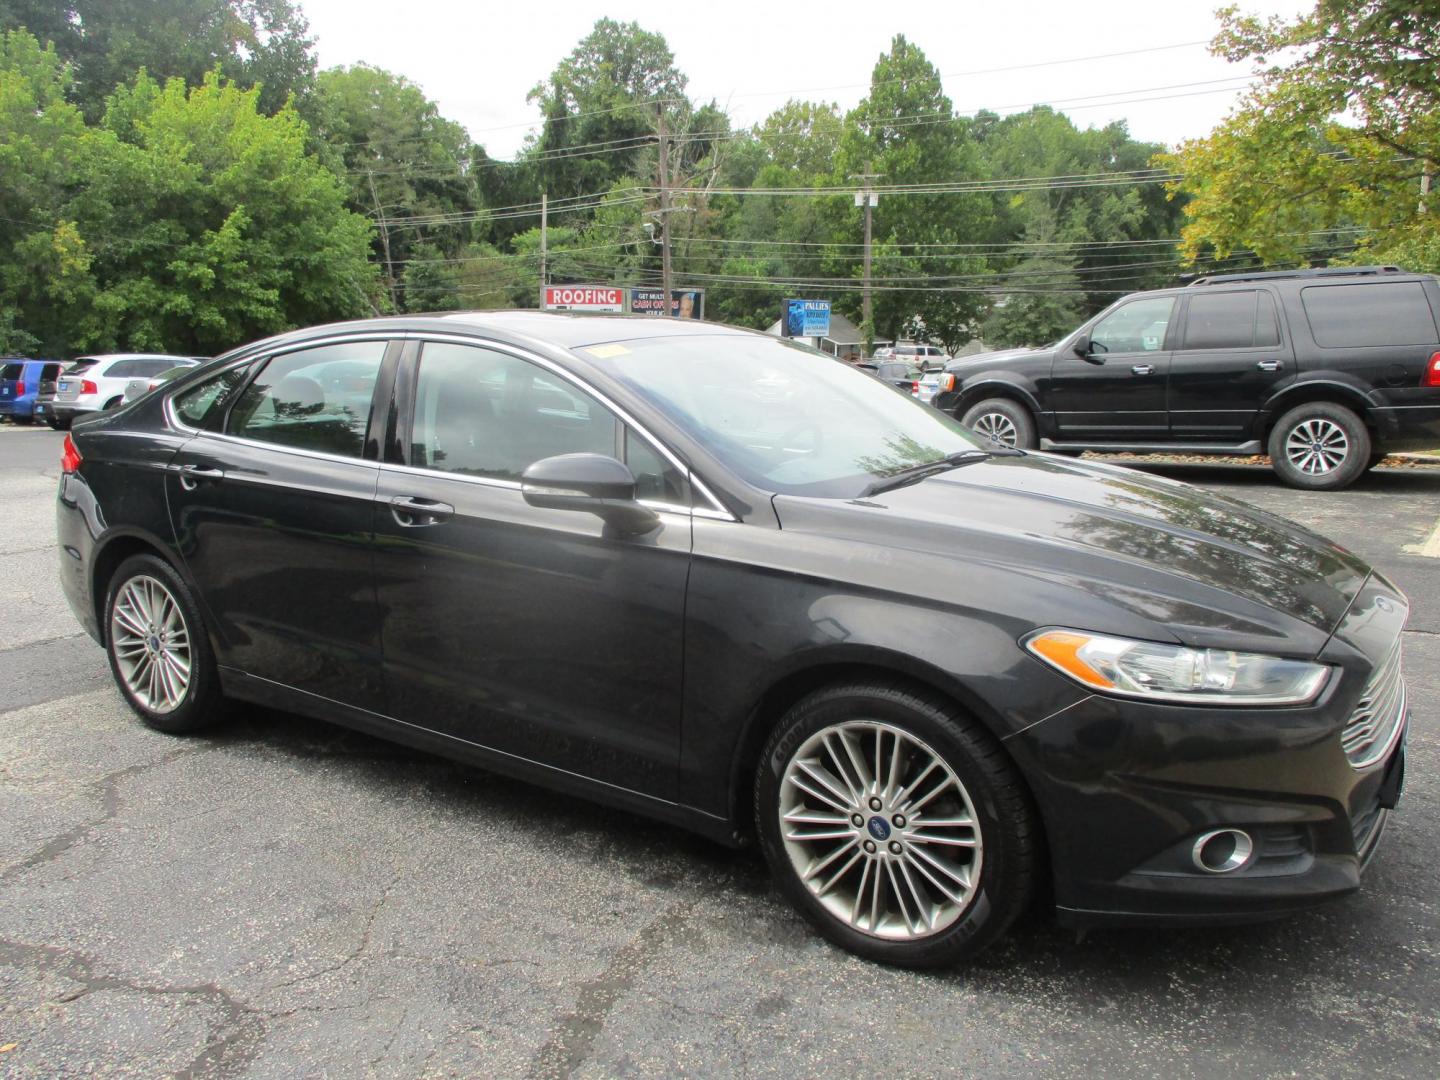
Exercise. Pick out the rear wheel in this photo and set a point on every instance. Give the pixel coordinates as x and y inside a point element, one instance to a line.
<point>1319,446</point>
<point>25,421</point>
<point>56,424</point>
<point>1003,421</point>
<point>159,654</point>
<point>895,824</point>
<point>113,403</point>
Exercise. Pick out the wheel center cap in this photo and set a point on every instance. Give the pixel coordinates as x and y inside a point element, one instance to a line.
<point>153,644</point>
<point>879,828</point>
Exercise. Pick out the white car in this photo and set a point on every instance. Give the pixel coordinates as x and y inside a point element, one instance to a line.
<point>93,383</point>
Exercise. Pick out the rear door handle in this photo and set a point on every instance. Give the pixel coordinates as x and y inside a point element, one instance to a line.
<point>1270,365</point>
<point>191,475</point>
<point>1142,369</point>
<point>411,512</point>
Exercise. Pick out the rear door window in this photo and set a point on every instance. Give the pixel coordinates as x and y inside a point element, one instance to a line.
<point>11,372</point>
<point>1222,320</point>
<point>314,399</point>
<point>1369,313</point>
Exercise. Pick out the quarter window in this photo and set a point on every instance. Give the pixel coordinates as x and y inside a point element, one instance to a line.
<point>1139,326</point>
<point>484,413</point>
<point>315,399</point>
<point>1369,313</point>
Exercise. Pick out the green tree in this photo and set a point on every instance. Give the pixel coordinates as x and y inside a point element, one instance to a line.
<point>44,265</point>
<point>251,42</point>
<point>906,131</point>
<point>406,168</point>
<point>1342,133</point>
<point>193,223</point>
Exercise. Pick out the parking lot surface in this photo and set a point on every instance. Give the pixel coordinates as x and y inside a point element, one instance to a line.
<point>283,898</point>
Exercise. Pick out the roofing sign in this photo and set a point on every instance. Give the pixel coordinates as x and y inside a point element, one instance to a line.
<point>584,298</point>
<point>807,318</point>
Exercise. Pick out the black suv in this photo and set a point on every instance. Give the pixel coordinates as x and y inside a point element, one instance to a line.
<point>1325,370</point>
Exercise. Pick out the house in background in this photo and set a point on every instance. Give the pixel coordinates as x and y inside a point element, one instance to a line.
<point>844,340</point>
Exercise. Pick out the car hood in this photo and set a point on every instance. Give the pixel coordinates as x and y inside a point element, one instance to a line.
<point>989,358</point>
<point>1204,569</point>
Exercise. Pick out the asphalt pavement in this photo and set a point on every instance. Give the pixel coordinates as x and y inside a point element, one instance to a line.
<point>283,898</point>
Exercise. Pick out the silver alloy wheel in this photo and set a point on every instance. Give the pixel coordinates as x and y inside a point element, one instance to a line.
<point>151,643</point>
<point>995,426</point>
<point>1317,446</point>
<point>880,830</point>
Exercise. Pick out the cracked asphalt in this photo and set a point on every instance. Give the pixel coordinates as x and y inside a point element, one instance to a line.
<point>282,898</point>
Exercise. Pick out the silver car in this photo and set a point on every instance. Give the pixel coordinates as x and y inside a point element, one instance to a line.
<point>137,388</point>
<point>93,383</point>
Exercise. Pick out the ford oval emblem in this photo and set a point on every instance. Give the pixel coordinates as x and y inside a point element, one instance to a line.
<point>879,828</point>
<point>1384,604</point>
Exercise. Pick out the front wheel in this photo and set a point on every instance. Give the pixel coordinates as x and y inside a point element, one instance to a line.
<point>896,825</point>
<point>1319,446</point>
<point>1003,421</point>
<point>159,654</point>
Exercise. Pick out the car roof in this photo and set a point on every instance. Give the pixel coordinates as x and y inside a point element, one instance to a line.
<point>576,330</point>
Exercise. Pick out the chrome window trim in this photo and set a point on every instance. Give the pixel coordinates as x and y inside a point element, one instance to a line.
<point>521,353</point>
<point>319,455</point>
<point>249,358</point>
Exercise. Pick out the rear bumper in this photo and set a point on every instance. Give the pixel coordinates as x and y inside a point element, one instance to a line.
<point>69,410</point>
<point>17,407</point>
<point>1408,427</point>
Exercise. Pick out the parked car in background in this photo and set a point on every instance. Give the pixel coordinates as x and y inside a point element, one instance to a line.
<point>926,357</point>
<point>897,373</point>
<point>137,388</point>
<point>1327,371</point>
<point>96,383</point>
<point>21,383</point>
<point>724,580</point>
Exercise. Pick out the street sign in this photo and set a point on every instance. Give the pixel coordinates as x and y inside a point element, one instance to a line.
<point>601,298</point>
<point>807,318</point>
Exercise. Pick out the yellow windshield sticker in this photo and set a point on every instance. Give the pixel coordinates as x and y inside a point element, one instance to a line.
<point>605,352</point>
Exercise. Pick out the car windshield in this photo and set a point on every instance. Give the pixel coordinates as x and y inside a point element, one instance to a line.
<point>785,417</point>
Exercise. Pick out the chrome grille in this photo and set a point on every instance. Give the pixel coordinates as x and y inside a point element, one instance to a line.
<point>1374,725</point>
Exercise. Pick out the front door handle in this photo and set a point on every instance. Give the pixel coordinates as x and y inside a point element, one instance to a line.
<point>191,475</point>
<point>414,513</point>
<point>1270,365</point>
<point>1142,369</point>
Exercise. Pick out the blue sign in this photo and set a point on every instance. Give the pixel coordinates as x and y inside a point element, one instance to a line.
<point>807,318</point>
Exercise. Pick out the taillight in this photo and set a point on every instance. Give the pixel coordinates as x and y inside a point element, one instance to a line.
<point>914,388</point>
<point>88,387</point>
<point>1432,372</point>
<point>19,389</point>
<point>69,456</point>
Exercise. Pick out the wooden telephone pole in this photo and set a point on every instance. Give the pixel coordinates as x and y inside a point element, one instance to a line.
<point>869,199</point>
<point>664,180</point>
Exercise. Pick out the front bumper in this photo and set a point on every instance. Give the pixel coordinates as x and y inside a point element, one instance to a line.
<point>1127,788</point>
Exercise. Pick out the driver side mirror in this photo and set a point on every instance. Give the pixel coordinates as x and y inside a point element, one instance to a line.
<point>595,483</point>
<point>1088,350</point>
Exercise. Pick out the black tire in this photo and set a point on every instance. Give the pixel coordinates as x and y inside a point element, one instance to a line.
<point>56,424</point>
<point>113,403</point>
<point>201,704</point>
<point>1004,420</point>
<point>1335,458</point>
<point>23,421</point>
<point>1008,830</point>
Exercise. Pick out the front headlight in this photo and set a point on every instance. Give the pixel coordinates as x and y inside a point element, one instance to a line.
<point>1156,672</point>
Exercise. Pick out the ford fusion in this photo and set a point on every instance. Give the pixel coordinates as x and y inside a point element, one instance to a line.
<point>726,581</point>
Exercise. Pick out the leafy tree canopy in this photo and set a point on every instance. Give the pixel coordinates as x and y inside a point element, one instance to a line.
<point>1338,139</point>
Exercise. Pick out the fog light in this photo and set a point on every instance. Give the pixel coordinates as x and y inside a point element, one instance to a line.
<point>1222,851</point>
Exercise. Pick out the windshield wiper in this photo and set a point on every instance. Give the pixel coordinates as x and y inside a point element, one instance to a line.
<point>916,473</point>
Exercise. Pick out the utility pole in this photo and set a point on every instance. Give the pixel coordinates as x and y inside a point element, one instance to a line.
<point>869,199</point>
<point>384,240</point>
<point>664,169</point>
<point>544,240</point>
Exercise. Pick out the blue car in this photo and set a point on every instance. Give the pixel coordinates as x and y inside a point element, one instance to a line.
<point>20,385</point>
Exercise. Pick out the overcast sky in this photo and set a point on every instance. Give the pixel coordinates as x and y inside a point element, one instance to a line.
<point>478,60</point>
